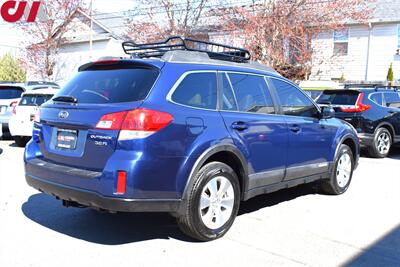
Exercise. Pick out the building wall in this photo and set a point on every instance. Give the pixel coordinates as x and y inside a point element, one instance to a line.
<point>382,52</point>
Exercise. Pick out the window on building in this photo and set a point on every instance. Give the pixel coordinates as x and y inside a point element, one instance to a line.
<point>398,36</point>
<point>341,42</point>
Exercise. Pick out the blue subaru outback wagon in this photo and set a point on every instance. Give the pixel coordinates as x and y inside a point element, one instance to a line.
<point>186,127</point>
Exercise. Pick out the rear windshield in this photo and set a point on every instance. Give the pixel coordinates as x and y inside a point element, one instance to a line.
<point>344,97</point>
<point>10,92</point>
<point>34,100</point>
<point>110,85</point>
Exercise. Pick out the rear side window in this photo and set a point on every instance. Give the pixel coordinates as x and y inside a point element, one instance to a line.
<point>104,86</point>
<point>197,90</point>
<point>392,100</point>
<point>252,93</point>
<point>34,100</point>
<point>377,98</point>
<point>343,97</point>
<point>10,92</point>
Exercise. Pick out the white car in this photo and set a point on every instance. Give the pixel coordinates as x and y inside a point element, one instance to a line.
<point>21,122</point>
<point>10,94</point>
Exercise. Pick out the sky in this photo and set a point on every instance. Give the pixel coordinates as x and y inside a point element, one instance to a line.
<point>112,5</point>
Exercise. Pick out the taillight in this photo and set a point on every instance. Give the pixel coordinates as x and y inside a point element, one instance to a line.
<point>359,106</point>
<point>135,124</point>
<point>112,121</point>
<point>13,107</point>
<point>36,117</point>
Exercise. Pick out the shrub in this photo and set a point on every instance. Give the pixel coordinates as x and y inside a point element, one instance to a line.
<point>11,69</point>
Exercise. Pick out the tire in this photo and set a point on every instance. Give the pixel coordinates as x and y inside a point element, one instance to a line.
<point>342,174</point>
<point>21,141</point>
<point>381,144</point>
<point>211,221</point>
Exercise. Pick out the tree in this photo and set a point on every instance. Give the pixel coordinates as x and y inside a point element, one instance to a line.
<point>164,18</point>
<point>44,38</point>
<point>390,76</point>
<point>279,32</point>
<point>11,69</point>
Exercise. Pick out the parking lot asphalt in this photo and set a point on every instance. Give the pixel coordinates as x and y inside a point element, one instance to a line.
<point>292,227</point>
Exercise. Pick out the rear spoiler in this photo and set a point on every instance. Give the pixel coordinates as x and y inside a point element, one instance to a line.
<point>115,63</point>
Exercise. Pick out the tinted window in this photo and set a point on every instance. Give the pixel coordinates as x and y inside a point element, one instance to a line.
<point>34,100</point>
<point>293,101</point>
<point>228,98</point>
<point>197,90</point>
<point>110,85</point>
<point>314,94</point>
<point>252,93</point>
<point>341,97</point>
<point>10,92</point>
<point>377,98</point>
<point>392,100</point>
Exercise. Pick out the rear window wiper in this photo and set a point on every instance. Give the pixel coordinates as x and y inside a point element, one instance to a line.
<point>65,98</point>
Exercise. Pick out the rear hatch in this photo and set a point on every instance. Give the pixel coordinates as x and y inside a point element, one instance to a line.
<point>69,120</point>
<point>347,104</point>
<point>9,96</point>
<point>28,105</point>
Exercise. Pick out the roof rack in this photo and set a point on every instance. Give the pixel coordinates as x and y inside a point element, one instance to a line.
<point>375,86</point>
<point>174,43</point>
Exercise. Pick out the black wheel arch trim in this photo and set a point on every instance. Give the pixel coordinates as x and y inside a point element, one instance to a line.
<point>209,153</point>
<point>356,144</point>
<point>385,123</point>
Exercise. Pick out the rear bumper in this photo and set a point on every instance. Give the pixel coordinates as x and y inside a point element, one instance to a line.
<point>97,201</point>
<point>20,128</point>
<point>5,118</point>
<point>366,140</point>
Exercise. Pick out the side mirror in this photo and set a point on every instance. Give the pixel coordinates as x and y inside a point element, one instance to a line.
<point>328,112</point>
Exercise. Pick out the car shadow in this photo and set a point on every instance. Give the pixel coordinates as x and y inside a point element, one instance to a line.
<point>395,153</point>
<point>383,252</point>
<point>13,145</point>
<point>121,228</point>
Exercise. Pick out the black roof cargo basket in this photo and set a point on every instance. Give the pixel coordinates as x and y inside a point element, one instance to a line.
<point>174,43</point>
<point>371,85</point>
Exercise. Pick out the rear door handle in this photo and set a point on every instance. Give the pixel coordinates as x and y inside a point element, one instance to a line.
<point>239,125</point>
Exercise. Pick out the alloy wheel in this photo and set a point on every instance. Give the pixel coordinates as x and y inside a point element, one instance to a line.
<point>216,202</point>
<point>343,170</point>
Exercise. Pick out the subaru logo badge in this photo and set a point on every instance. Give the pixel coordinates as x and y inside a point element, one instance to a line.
<point>63,114</point>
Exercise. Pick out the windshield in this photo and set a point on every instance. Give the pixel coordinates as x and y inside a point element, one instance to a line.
<point>10,92</point>
<point>343,97</point>
<point>110,85</point>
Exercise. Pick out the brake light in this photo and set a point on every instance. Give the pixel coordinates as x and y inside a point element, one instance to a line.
<point>106,62</point>
<point>359,106</point>
<point>135,124</point>
<point>13,107</point>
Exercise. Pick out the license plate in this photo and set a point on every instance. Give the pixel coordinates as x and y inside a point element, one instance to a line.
<point>66,139</point>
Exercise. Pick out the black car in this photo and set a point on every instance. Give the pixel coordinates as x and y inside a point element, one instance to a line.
<point>374,112</point>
